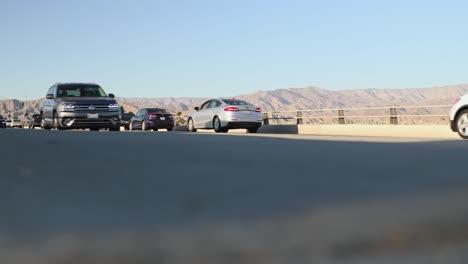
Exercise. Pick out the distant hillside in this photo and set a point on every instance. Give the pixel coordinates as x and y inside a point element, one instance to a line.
<point>287,99</point>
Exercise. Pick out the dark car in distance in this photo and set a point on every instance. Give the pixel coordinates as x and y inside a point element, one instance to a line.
<point>152,118</point>
<point>35,121</point>
<point>2,122</point>
<point>125,120</point>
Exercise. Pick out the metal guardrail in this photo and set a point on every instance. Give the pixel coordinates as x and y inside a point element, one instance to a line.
<point>393,116</point>
<point>339,114</point>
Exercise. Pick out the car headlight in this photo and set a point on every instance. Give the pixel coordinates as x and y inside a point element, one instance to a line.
<point>68,107</point>
<point>114,107</point>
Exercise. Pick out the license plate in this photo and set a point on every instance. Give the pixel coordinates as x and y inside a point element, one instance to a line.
<point>162,118</point>
<point>93,116</point>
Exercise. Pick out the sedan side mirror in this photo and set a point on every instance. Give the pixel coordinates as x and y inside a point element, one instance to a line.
<point>197,108</point>
<point>50,96</point>
<point>111,95</point>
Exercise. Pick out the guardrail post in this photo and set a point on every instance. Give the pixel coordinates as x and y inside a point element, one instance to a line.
<point>265,119</point>
<point>341,119</point>
<point>299,118</point>
<point>393,116</point>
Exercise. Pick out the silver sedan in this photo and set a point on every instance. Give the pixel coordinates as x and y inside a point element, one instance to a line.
<point>224,114</point>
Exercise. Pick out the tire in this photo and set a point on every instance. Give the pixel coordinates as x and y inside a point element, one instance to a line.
<point>252,129</point>
<point>114,129</point>
<point>462,124</point>
<point>217,125</point>
<point>94,129</point>
<point>169,128</point>
<point>127,127</point>
<point>44,126</point>
<point>56,124</point>
<point>130,126</point>
<point>143,126</point>
<point>155,129</point>
<point>191,125</point>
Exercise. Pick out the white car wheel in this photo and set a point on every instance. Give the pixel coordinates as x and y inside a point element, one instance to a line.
<point>191,126</point>
<point>462,124</point>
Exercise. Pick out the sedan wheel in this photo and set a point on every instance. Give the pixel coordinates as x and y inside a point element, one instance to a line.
<point>462,124</point>
<point>252,130</point>
<point>217,125</point>
<point>191,126</point>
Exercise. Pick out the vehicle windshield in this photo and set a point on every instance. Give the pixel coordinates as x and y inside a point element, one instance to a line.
<point>80,90</point>
<point>235,102</point>
<point>157,110</point>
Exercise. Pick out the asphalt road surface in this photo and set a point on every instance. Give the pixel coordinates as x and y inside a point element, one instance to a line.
<point>174,197</point>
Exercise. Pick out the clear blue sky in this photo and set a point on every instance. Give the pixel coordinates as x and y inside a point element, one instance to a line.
<point>208,48</point>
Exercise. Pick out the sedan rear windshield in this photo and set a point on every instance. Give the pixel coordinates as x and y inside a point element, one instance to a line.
<point>157,110</point>
<point>235,102</point>
<point>80,91</point>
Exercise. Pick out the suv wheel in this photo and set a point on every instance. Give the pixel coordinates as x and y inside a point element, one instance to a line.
<point>57,124</point>
<point>43,125</point>
<point>462,124</point>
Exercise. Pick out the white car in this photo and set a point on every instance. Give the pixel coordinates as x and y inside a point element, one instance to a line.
<point>224,114</point>
<point>459,117</point>
<point>16,122</point>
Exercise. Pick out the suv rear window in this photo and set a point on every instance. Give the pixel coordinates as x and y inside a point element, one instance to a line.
<point>80,90</point>
<point>235,102</point>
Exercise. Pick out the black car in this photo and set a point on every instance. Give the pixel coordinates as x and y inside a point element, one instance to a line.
<point>35,121</point>
<point>125,120</point>
<point>152,118</point>
<point>80,106</point>
<point>2,122</point>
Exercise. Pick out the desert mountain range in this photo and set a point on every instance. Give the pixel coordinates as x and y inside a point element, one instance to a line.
<point>285,99</point>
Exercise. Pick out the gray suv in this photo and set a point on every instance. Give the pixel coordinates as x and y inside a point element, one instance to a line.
<point>80,106</point>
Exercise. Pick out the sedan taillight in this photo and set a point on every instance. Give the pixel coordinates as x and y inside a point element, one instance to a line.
<point>231,109</point>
